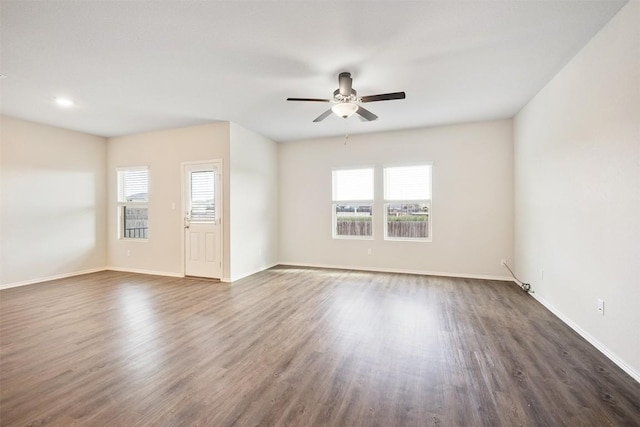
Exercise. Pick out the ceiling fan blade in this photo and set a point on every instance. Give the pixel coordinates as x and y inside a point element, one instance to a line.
<point>383,97</point>
<point>344,82</point>
<point>323,116</point>
<point>366,114</point>
<point>309,99</point>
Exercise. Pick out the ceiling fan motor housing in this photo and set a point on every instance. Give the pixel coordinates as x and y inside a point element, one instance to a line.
<point>338,97</point>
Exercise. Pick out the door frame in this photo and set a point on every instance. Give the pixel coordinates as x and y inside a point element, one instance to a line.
<point>218,164</point>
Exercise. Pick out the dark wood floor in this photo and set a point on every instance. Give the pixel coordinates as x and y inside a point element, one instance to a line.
<point>302,347</point>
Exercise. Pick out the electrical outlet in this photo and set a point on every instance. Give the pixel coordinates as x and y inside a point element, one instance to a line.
<point>128,252</point>
<point>601,307</point>
<point>369,251</point>
<point>503,261</point>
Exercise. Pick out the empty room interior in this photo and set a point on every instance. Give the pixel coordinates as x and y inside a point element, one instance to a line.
<point>349,213</point>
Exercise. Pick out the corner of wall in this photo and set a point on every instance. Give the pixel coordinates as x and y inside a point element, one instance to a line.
<point>253,190</point>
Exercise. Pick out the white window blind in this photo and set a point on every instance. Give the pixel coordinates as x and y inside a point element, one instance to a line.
<point>407,183</point>
<point>352,185</point>
<point>134,186</point>
<point>203,196</point>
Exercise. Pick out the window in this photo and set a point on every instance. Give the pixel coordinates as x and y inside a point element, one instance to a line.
<point>202,196</point>
<point>407,202</point>
<point>353,203</point>
<point>133,196</point>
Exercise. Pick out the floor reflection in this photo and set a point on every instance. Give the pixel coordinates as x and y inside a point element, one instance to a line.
<point>142,342</point>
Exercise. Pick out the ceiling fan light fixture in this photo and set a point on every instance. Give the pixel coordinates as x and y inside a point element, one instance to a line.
<point>344,109</point>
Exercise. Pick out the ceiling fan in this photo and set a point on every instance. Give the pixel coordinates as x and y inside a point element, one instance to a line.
<point>346,100</point>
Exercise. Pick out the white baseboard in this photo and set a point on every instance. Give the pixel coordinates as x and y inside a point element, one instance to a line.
<point>593,341</point>
<point>242,276</point>
<point>402,271</point>
<point>141,271</point>
<point>48,278</point>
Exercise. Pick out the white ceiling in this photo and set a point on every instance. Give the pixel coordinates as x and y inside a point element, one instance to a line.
<point>136,66</point>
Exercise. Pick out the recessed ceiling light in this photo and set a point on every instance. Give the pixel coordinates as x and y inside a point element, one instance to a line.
<point>64,102</point>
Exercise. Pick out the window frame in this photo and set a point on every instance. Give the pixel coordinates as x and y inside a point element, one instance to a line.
<point>386,202</point>
<point>122,203</point>
<point>362,202</point>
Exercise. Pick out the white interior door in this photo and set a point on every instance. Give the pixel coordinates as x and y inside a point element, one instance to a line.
<point>203,220</point>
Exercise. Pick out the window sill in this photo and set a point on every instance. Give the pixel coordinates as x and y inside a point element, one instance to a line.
<point>353,237</point>
<point>400,239</point>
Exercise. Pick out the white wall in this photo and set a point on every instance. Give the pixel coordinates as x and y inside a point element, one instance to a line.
<point>254,202</point>
<point>472,208</point>
<point>577,187</point>
<point>163,152</point>
<point>52,202</point>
